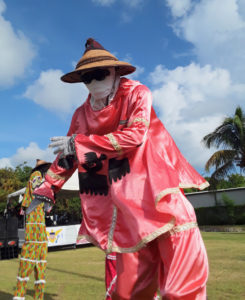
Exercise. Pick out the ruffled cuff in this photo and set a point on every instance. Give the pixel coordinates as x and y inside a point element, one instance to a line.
<point>45,192</point>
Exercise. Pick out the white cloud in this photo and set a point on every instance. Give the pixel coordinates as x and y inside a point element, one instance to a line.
<point>103,2</point>
<point>129,3</point>
<point>133,3</point>
<point>16,51</point>
<point>29,155</point>
<point>2,6</point>
<point>5,163</point>
<point>53,94</point>
<point>139,70</point>
<point>179,7</point>
<point>192,101</point>
<point>217,31</point>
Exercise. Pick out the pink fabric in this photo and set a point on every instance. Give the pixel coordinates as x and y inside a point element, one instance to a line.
<point>177,264</point>
<point>131,145</point>
<point>110,274</point>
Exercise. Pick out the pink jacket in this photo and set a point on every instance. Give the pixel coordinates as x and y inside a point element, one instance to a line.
<point>131,172</point>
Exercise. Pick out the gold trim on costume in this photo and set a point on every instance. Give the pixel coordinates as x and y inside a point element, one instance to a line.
<point>55,176</point>
<point>191,185</point>
<point>166,192</point>
<point>176,190</point>
<point>147,124</point>
<point>167,230</point>
<point>111,232</point>
<point>145,240</point>
<point>183,227</point>
<point>89,238</point>
<point>180,228</point>
<point>114,142</point>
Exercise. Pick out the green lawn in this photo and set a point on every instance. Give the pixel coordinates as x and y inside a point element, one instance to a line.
<point>226,252</point>
<point>79,274</point>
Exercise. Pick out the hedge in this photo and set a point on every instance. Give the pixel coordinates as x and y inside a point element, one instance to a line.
<point>221,215</point>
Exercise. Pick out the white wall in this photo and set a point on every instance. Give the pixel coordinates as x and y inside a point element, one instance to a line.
<point>210,198</point>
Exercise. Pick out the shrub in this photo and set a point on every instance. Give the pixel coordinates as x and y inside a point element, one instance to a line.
<point>220,215</point>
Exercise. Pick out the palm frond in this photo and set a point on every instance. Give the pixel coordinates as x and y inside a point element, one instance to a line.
<point>223,171</point>
<point>220,158</point>
<point>239,112</point>
<point>229,134</point>
<point>239,125</point>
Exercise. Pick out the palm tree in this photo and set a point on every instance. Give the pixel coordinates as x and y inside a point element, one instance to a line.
<point>230,136</point>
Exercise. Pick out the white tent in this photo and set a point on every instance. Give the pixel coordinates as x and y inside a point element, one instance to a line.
<point>69,189</point>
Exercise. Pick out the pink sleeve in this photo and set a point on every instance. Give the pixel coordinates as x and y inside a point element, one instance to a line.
<point>120,142</point>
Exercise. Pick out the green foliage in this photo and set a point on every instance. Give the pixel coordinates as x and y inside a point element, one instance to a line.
<point>231,181</point>
<point>227,214</point>
<point>230,137</point>
<point>22,173</point>
<point>68,210</point>
<point>230,208</point>
<point>8,183</point>
<point>12,180</point>
<point>228,202</point>
<point>191,190</point>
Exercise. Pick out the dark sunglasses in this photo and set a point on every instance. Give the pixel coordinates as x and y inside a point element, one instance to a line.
<point>99,75</point>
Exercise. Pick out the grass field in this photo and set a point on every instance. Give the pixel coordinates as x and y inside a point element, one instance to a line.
<point>79,274</point>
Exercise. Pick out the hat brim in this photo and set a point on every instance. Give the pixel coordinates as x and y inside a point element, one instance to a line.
<point>41,166</point>
<point>124,68</point>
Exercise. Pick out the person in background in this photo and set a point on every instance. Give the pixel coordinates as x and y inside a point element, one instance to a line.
<point>131,177</point>
<point>34,250</point>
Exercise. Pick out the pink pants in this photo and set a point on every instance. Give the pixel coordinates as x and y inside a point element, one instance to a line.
<point>110,274</point>
<point>175,264</point>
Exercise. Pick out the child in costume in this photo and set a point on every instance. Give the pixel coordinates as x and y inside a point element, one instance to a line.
<point>34,249</point>
<point>131,177</point>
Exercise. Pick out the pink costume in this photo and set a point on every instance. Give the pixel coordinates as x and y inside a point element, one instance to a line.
<point>131,177</point>
<point>110,274</point>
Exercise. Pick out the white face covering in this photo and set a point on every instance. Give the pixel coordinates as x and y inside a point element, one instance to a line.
<point>102,89</point>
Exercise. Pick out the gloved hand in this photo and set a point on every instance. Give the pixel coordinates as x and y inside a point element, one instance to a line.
<point>35,202</point>
<point>63,144</point>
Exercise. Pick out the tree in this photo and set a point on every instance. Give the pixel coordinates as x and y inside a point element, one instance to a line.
<point>230,137</point>
<point>8,183</point>
<point>232,181</point>
<point>12,180</point>
<point>22,173</point>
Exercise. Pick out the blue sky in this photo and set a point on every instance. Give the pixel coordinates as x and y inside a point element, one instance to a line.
<point>189,53</point>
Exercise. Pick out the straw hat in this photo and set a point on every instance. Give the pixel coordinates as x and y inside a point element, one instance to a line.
<point>41,165</point>
<point>95,56</point>
<point>40,162</point>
